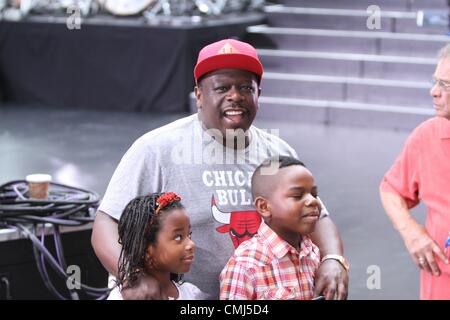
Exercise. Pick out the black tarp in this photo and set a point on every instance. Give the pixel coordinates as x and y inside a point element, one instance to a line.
<point>104,67</point>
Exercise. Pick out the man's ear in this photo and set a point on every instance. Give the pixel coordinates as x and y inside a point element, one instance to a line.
<point>198,96</point>
<point>262,206</point>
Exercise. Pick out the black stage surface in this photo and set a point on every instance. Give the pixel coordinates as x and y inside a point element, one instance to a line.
<point>19,275</point>
<point>121,64</point>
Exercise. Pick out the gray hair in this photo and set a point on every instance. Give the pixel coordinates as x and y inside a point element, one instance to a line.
<point>444,52</point>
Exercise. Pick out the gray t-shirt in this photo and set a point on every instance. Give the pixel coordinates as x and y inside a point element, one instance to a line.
<point>213,181</point>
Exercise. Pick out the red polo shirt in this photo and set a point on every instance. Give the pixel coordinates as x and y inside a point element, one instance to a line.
<point>422,173</point>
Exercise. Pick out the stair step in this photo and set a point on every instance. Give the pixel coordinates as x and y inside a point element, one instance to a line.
<point>345,19</point>
<point>368,42</point>
<point>337,12</point>
<point>342,113</point>
<point>348,64</point>
<point>352,89</point>
<point>405,5</point>
<point>345,105</point>
<point>337,112</point>
<point>323,64</point>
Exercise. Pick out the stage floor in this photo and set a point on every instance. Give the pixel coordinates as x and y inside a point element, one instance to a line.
<point>82,148</point>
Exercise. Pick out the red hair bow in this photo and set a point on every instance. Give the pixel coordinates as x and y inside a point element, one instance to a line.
<point>165,199</point>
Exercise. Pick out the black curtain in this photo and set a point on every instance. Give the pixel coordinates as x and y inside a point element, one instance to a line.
<point>104,67</point>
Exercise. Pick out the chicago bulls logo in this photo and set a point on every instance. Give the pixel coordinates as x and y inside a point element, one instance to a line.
<point>241,225</point>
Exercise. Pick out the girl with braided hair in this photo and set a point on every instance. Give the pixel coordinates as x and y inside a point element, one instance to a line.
<point>155,235</point>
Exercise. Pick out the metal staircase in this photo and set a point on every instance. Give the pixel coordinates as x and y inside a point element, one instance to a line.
<point>325,63</point>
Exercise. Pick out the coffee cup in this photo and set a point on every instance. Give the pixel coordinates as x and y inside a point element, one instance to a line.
<point>38,185</point>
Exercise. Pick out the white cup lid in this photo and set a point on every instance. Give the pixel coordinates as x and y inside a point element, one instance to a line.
<point>38,178</point>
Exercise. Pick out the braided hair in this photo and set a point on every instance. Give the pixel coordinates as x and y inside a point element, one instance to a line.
<point>138,228</point>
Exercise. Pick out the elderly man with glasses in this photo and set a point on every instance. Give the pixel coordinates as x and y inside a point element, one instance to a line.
<point>422,173</point>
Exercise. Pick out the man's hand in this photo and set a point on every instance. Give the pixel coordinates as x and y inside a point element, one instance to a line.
<point>331,281</point>
<point>146,288</point>
<point>420,245</point>
<point>331,278</point>
<point>423,249</point>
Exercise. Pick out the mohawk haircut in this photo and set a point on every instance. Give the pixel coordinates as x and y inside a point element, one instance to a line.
<point>262,183</point>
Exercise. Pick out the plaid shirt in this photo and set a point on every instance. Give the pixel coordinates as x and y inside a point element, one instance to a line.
<point>266,267</point>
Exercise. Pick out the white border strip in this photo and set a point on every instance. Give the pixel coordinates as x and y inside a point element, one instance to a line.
<point>345,56</point>
<point>348,33</point>
<point>338,12</point>
<point>346,105</point>
<point>349,80</point>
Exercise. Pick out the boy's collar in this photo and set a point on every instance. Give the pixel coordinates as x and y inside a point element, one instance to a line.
<point>281,247</point>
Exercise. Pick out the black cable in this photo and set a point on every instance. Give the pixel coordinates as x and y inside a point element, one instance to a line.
<point>39,258</point>
<point>58,247</point>
<point>68,213</point>
<point>7,287</point>
<point>53,263</point>
<point>27,218</point>
<point>65,206</point>
<point>40,262</point>
<point>55,196</point>
<point>60,257</point>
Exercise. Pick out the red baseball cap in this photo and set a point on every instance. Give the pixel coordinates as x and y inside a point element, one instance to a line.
<point>227,54</point>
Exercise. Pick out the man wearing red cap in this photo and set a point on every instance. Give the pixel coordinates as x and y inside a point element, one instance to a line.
<point>209,158</point>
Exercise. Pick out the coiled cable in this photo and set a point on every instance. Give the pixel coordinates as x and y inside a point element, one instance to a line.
<point>65,206</point>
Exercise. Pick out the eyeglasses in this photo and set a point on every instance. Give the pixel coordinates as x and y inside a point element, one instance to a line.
<point>443,85</point>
